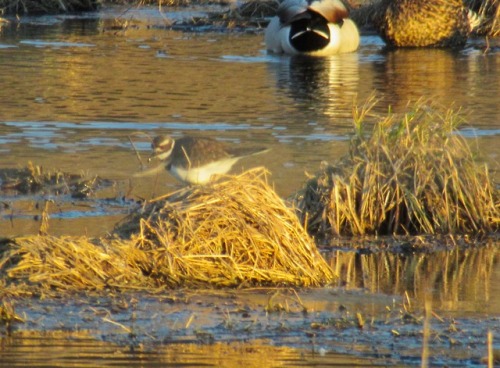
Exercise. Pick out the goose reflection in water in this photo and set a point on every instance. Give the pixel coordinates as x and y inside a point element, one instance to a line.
<point>326,84</point>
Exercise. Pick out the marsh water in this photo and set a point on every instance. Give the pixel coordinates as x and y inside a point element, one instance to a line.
<point>81,95</point>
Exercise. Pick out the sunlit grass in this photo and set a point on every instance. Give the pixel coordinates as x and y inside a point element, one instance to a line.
<point>407,174</point>
<point>488,15</point>
<point>235,232</point>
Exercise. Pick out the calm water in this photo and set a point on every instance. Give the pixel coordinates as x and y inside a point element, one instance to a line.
<point>75,92</point>
<point>80,350</point>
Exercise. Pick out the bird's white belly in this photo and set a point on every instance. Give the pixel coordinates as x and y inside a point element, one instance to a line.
<point>203,174</point>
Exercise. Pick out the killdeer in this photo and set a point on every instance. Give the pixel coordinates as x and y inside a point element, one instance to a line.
<point>196,160</point>
<point>314,27</point>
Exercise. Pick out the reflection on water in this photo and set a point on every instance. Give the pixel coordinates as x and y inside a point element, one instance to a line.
<point>459,280</point>
<point>80,350</point>
<point>326,85</point>
<point>446,76</point>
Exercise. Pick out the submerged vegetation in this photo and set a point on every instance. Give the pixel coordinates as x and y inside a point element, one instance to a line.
<point>411,174</point>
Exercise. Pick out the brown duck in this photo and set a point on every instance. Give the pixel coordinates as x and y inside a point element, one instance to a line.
<point>424,23</point>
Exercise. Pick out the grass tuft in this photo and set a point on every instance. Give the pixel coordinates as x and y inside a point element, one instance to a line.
<point>234,232</point>
<point>408,174</point>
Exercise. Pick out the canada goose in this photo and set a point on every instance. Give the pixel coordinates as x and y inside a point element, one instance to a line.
<point>314,27</point>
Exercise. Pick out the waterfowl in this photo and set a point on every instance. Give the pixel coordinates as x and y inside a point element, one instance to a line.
<point>315,27</point>
<point>424,23</point>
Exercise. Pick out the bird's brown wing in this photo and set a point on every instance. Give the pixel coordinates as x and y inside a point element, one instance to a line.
<point>195,152</point>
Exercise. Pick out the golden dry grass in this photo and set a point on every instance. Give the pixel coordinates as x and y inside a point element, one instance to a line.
<point>234,232</point>
<point>411,174</point>
<point>228,233</point>
<point>72,263</point>
<point>489,13</point>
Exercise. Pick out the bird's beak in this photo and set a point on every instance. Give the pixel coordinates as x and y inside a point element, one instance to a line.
<point>154,170</point>
<point>153,156</point>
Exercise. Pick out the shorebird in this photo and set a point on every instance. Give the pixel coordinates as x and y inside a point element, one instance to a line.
<point>195,160</point>
<point>313,27</point>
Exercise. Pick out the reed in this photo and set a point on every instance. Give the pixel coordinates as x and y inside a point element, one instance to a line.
<point>489,16</point>
<point>407,174</point>
<point>8,316</point>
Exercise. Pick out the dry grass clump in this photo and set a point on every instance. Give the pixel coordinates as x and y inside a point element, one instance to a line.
<point>73,264</point>
<point>234,232</point>
<point>47,6</point>
<point>412,174</point>
<point>259,8</point>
